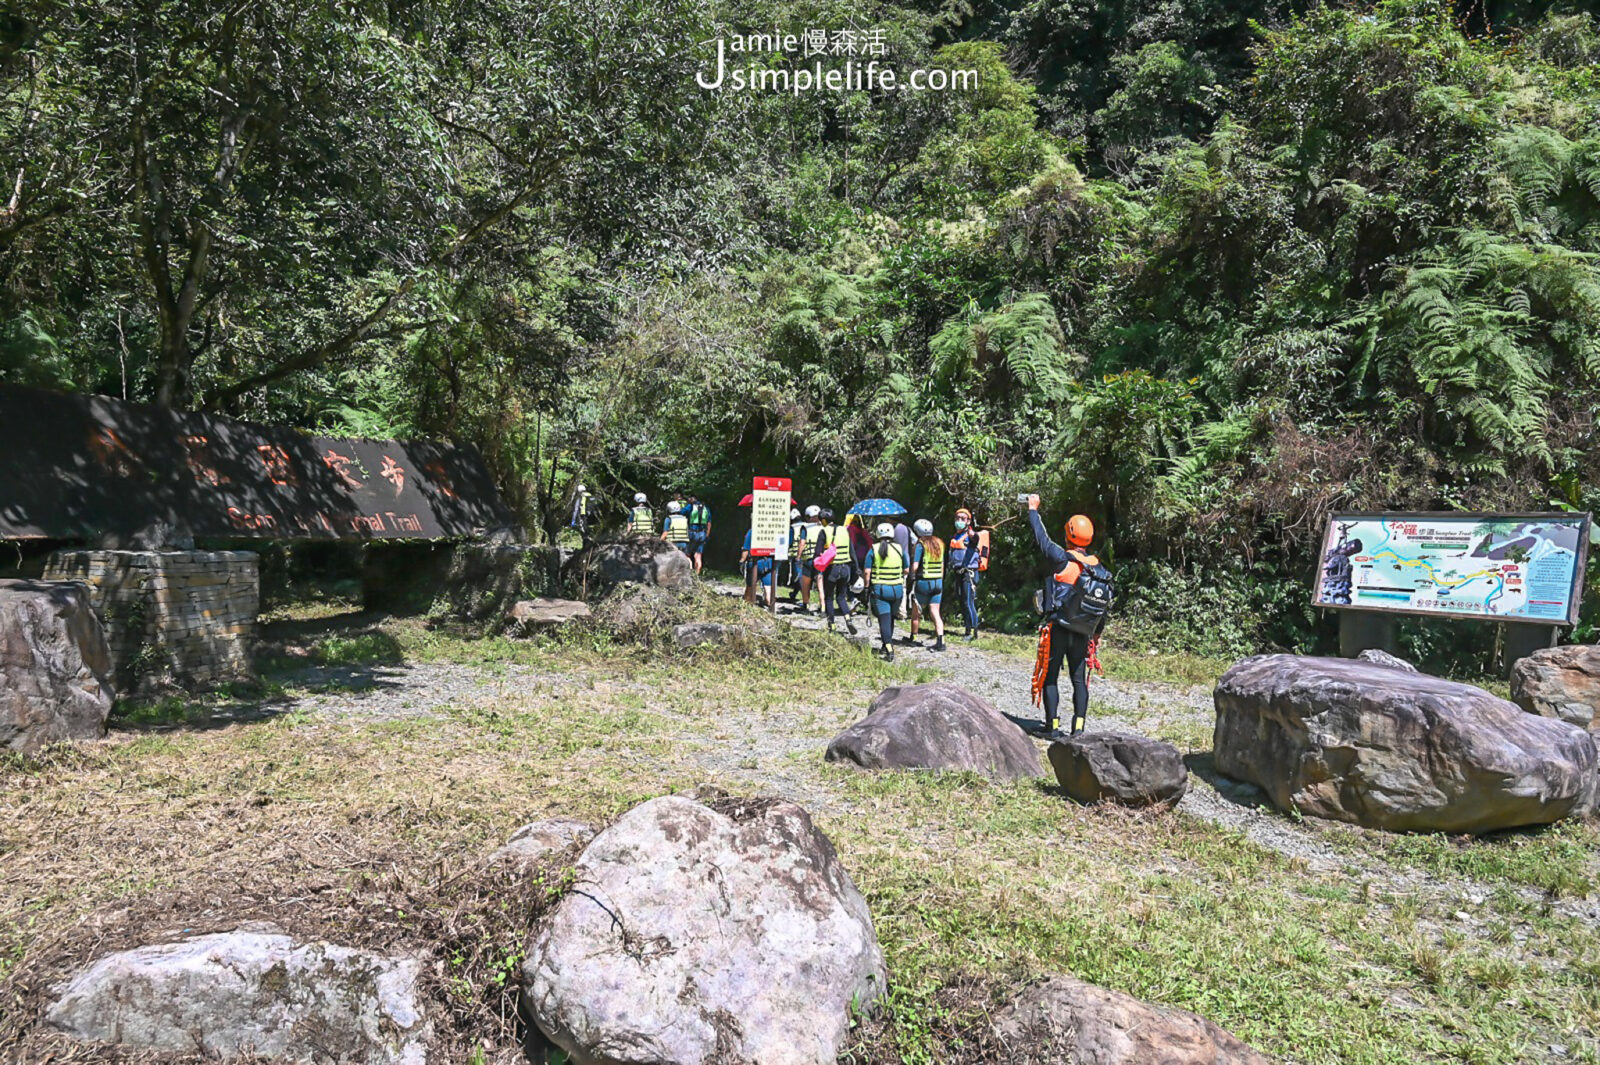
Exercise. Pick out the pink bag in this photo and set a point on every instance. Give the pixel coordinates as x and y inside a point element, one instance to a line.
<point>826,557</point>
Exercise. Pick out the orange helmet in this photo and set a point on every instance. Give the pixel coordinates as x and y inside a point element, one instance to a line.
<point>963,512</point>
<point>1080,531</point>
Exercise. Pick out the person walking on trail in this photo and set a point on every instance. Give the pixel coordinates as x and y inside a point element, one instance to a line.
<point>580,514</point>
<point>763,567</point>
<point>902,537</point>
<point>791,566</point>
<point>641,519</point>
<point>699,516</point>
<point>860,544</point>
<point>885,569</point>
<point>805,551</point>
<point>927,566</point>
<point>1077,601</point>
<point>675,530</point>
<point>969,557</point>
<point>831,551</point>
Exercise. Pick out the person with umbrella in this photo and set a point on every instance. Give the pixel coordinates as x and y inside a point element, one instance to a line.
<point>885,568</point>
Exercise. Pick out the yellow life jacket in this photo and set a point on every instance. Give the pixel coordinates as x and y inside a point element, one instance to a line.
<point>677,528</point>
<point>888,564</point>
<point>932,568</point>
<point>642,521</point>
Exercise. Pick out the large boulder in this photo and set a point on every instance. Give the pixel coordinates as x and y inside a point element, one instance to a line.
<point>723,933</point>
<point>250,993</point>
<point>1379,657</point>
<point>535,615</point>
<point>937,726</point>
<point>55,665</point>
<point>1381,747</point>
<point>633,560</point>
<point>1559,682</point>
<point>535,841</point>
<point>1120,767</point>
<point>1067,1021</point>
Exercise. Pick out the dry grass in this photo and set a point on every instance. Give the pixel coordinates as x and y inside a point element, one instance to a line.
<point>372,832</point>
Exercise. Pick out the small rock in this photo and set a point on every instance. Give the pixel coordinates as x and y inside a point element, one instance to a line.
<point>1380,657</point>
<point>937,726</point>
<point>1065,1020</point>
<point>528,615</point>
<point>55,665</point>
<point>725,933</point>
<point>1120,767</point>
<point>251,993</point>
<point>1559,682</point>
<point>696,633</point>
<point>533,841</point>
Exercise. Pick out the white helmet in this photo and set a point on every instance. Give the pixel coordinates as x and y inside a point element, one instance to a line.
<point>639,497</point>
<point>922,527</point>
<point>793,513</point>
<point>885,531</point>
<point>673,507</point>
<point>581,489</point>
<point>813,511</point>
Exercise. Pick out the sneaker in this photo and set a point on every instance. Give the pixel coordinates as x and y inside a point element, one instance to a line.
<point>969,637</point>
<point>909,641</point>
<point>1077,725</point>
<point>938,645</point>
<point>888,653</point>
<point>850,625</point>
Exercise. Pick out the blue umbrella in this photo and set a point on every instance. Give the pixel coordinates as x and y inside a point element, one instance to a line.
<point>875,507</point>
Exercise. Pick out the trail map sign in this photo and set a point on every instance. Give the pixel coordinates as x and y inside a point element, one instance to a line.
<point>769,514</point>
<point>83,466</point>
<point>1505,567</point>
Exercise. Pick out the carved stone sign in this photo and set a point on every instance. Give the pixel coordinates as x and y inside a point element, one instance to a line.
<point>86,466</point>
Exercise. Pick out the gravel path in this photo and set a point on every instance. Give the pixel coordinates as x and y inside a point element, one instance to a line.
<point>1146,708</point>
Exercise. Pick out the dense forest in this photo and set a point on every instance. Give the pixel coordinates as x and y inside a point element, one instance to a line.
<point>1207,270</point>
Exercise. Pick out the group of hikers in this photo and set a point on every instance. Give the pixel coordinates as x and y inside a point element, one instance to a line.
<point>888,568</point>
<point>900,571</point>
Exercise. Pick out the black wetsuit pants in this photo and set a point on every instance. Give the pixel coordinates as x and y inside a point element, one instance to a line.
<point>1073,649</point>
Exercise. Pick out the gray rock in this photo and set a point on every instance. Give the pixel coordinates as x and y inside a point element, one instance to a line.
<point>250,992</point>
<point>696,934</point>
<point>55,665</point>
<point>697,633</point>
<point>534,841</point>
<point>531,615</point>
<point>1120,767</point>
<point>634,560</point>
<point>1559,682</point>
<point>1067,1021</point>
<point>1379,657</point>
<point>937,726</point>
<point>1352,741</point>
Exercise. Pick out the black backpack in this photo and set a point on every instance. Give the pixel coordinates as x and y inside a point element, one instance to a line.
<point>1083,606</point>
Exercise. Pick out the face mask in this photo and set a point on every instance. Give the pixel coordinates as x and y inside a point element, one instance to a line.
<point>960,525</point>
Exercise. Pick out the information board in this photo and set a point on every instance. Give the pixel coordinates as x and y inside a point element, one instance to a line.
<point>769,514</point>
<point>74,466</point>
<point>1505,567</point>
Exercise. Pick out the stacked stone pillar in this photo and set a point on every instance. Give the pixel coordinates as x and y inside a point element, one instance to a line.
<point>184,618</point>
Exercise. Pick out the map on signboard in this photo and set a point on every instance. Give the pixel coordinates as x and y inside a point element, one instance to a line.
<point>1525,568</point>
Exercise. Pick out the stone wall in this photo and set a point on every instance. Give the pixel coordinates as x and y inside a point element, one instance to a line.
<point>184,618</point>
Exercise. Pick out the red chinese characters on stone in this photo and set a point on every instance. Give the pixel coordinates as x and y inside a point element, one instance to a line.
<point>440,478</point>
<point>394,473</point>
<point>109,450</point>
<point>276,460</point>
<point>197,455</point>
<point>341,465</point>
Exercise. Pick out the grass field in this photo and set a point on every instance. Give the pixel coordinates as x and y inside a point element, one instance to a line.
<point>348,813</point>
